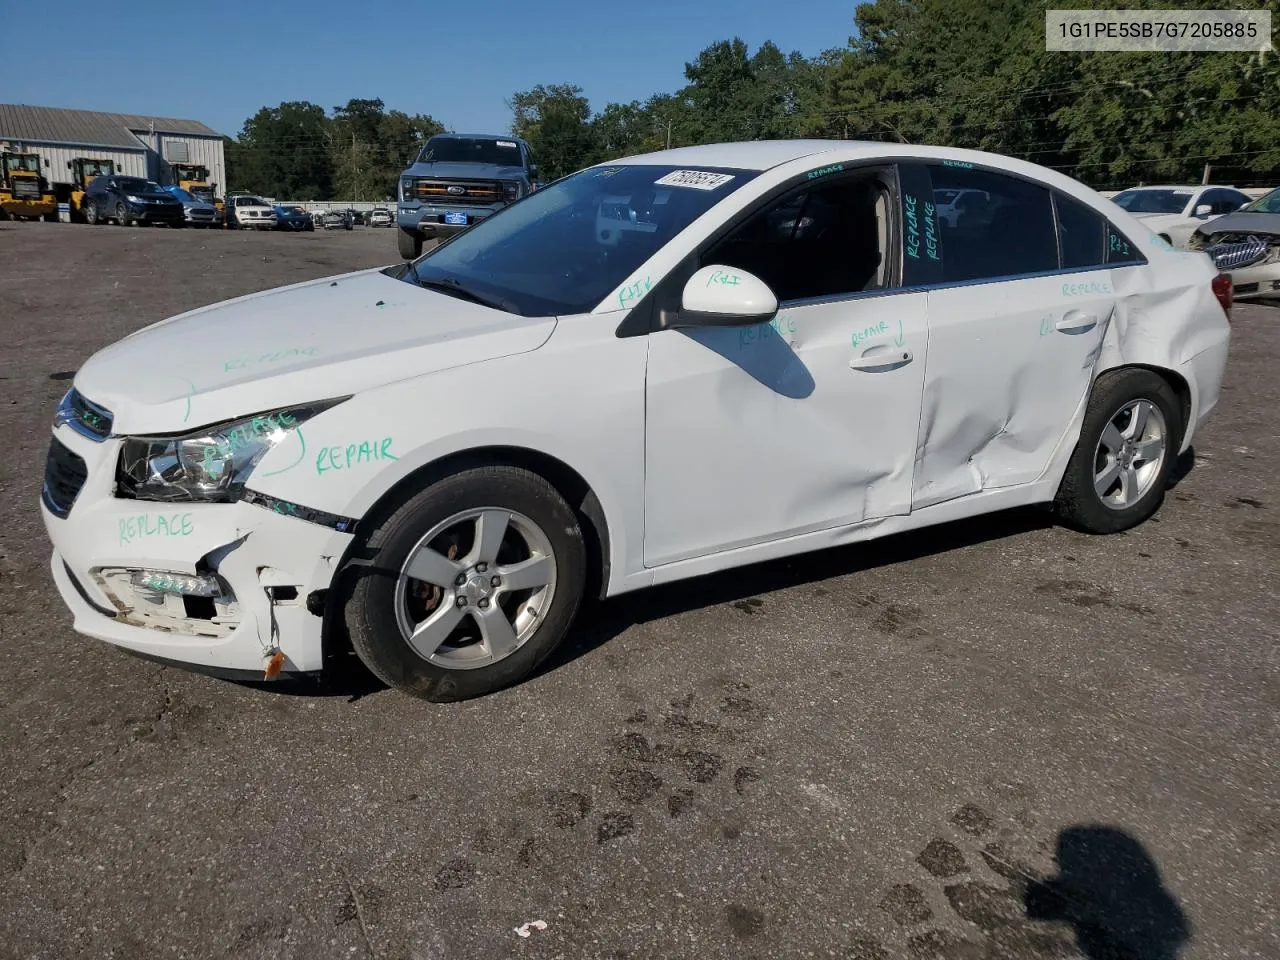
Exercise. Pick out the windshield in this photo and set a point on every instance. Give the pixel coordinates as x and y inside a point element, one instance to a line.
<point>204,193</point>
<point>1153,201</point>
<point>251,202</point>
<point>564,248</point>
<point>138,185</point>
<point>1268,203</point>
<point>24,161</point>
<point>182,195</point>
<point>192,173</point>
<point>98,168</point>
<point>503,153</point>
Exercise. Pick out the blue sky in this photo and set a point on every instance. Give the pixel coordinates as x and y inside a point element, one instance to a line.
<point>458,61</point>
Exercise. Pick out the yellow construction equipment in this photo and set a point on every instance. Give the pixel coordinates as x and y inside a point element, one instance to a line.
<point>24,192</point>
<point>83,170</point>
<point>194,179</point>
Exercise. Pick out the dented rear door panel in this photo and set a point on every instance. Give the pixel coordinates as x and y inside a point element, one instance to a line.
<point>1009,363</point>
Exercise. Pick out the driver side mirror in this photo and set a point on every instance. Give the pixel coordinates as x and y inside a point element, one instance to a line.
<point>1203,210</point>
<point>719,296</point>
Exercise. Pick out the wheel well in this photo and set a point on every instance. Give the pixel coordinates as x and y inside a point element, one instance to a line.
<point>1176,382</point>
<point>567,481</point>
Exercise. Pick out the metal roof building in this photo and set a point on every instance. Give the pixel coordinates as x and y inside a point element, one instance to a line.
<point>140,145</point>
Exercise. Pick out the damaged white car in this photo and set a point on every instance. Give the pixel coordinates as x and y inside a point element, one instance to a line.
<point>1246,244</point>
<point>652,369</point>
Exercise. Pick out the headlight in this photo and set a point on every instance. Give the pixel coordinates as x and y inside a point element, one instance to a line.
<point>406,188</point>
<point>132,199</point>
<point>212,465</point>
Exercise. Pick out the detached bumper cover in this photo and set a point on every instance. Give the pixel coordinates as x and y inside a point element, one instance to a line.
<point>267,562</point>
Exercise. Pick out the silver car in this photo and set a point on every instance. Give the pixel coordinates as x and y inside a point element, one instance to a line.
<point>198,212</point>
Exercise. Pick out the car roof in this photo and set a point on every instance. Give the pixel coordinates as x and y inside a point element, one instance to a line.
<point>1182,186</point>
<point>760,155</point>
<point>475,136</point>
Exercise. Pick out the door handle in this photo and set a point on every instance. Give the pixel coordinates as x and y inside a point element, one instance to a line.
<point>1073,321</point>
<point>878,362</point>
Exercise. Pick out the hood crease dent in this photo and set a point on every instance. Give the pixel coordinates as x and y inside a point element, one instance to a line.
<point>311,341</point>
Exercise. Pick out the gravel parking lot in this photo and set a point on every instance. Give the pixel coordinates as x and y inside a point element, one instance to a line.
<point>993,739</point>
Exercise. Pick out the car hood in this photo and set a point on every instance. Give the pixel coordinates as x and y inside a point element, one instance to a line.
<point>1154,220</point>
<point>1243,222</point>
<point>465,171</point>
<point>309,341</point>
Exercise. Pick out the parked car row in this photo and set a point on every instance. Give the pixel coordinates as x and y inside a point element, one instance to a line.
<point>1240,234</point>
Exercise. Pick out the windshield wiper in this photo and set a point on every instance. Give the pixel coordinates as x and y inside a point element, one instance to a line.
<point>452,287</point>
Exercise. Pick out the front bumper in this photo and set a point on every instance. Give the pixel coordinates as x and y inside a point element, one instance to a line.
<point>295,224</point>
<point>428,219</point>
<point>269,564</point>
<point>150,214</point>
<point>1258,282</point>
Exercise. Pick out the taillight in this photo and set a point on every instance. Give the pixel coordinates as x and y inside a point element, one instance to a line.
<point>1224,290</point>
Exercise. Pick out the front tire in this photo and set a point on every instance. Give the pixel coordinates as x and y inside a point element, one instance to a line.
<point>1130,437</point>
<point>122,215</point>
<point>470,584</point>
<point>410,242</point>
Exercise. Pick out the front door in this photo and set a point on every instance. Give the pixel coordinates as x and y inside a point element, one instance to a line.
<point>805,423</point>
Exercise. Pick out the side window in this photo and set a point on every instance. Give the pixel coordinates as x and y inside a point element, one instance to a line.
<point>1119,249</point>
<point>1081,233</point>
<point>822,240</point>
<point>1003,228</point>
<point>1224,201</point>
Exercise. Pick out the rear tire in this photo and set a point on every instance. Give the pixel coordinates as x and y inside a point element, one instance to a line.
<point>90,211</point>
<point>386,606</point>
<point>410,242</point>
<point>1129,440</point>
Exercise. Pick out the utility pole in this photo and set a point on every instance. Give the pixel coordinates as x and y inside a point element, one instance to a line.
<point>668,134</point>
<point>1205,179</point>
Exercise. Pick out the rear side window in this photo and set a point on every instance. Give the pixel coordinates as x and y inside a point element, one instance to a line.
<point>1119,249</point>
<point>1081,233</point>
<point>1004,228</point>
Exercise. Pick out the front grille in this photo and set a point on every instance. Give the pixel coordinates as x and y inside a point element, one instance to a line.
<point>85,417</point>
<point>475,191</point>
<point>1233,256</point>
<point>26,188</point>
<point>64,475</point>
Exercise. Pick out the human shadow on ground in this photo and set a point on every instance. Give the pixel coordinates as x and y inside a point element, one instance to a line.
<point>1109,891</point>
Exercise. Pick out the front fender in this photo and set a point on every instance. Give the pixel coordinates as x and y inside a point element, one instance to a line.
<point>348,458</point>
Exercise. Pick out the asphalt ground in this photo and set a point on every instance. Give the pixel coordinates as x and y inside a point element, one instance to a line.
<point>997,738</point>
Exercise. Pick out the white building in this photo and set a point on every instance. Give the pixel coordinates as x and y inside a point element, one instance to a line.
<point>140,146</point>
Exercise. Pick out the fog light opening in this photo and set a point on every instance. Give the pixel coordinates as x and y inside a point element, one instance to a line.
<point>180,584</point>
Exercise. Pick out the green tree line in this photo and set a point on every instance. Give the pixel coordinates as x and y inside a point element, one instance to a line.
<point>965,73</point>
<point>297,151</point>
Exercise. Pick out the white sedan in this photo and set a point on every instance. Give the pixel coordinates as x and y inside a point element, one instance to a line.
<point>1174,213</point>
<point>652,369</point>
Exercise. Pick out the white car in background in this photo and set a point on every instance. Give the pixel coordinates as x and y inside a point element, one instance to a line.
<point>250,212</point>
<point>652,369</point>
<point>1174,213</point>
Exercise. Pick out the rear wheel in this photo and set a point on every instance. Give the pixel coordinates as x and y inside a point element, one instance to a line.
<point>410,244</point>
<point>470,584</point>
<point>90,211</point>
<point>1129,439</point>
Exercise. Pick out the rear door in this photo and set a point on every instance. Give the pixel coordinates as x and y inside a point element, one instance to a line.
<point>1015,328</point>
